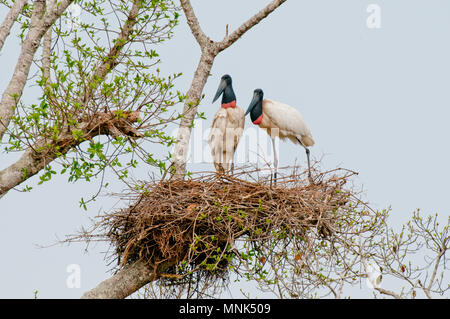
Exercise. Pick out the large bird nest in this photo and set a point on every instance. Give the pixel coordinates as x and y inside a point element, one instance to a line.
<point>212,224</point>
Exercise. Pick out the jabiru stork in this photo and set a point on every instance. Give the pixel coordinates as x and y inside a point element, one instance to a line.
<point>227,127</point>
<point>282,120</point>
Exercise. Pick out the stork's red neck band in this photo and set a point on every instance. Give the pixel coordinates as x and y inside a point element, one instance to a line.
<point>228,105</point>
<point>258,120</point>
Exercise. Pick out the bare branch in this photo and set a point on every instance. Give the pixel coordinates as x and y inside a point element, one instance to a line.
<point>239,32</point>
<point>193,23</point>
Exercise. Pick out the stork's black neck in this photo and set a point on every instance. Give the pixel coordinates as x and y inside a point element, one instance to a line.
<point>228,95</point>
<point>257,111</point>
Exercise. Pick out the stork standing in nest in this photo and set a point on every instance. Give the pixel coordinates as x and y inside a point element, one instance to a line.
<point>282,120</point>
<point>226,128</point>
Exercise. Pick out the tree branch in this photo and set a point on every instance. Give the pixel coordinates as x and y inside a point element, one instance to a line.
<point>11,17</point>
<point>193,24</point>
<point>112,59</point>
<point>55,10</point>
<point>250,23</point>
<point>427,289</point>
<point>46,54</point>
<point>45,151</point>
<point>126,281</point>
<point>109,62</point>
<point>387,292</point>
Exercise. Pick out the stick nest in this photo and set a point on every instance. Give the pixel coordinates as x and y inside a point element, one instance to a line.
<point>194,224</point>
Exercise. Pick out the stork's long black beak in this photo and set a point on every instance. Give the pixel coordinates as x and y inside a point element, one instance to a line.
<point>253,103</point>
<point>222,86</point>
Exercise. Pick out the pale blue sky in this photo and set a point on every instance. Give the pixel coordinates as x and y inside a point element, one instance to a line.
<point>376,100</point>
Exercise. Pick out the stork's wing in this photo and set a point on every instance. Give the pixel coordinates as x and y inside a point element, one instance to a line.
<point>217,131</point>
<point>288,120</point>
<point>236,118</point>
<point>226,131</point>
<point>241,117</point>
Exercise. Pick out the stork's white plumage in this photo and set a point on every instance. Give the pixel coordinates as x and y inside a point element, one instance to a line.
<point>288,121</point>
<point>282,120</point>
<point>226,131</point>
<point>226,128</point>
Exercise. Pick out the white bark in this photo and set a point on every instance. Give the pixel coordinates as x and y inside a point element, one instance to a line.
<point>126,281</point>
<point>190,110</point>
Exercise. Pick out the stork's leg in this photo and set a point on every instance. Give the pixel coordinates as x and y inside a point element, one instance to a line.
<point>229,163</point>
<point>226,164</point>
<point>219,168</point>
<point>232,161</point>
<point>309,165</point>
<point>275,160</point>
<point>307,156</point>
<point>221,163</point>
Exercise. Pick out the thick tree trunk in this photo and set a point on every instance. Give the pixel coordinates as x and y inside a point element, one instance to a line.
<point>190,110</point>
